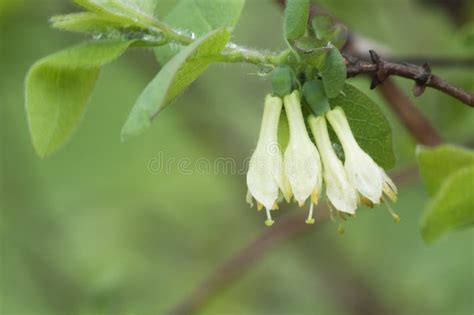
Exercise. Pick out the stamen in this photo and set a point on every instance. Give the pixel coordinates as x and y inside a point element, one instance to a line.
<point>366,202</point>
<point>341,229</point>
<point>310,219</point>
<point>275,206</point>
<point>331,211</point>
<point>394,215</point>
<point>249,199</point>
<point>315,196</point>
<point>342,215</point>
<point>269,221</point>
<point>259,206</point>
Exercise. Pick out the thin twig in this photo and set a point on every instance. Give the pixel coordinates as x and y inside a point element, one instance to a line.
<point>230,270</point>
<point>224,275</point>
<point>436,61</point>
<point>381,69</point>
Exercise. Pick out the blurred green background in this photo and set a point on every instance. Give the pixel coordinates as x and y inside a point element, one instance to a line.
<point>92,231</point>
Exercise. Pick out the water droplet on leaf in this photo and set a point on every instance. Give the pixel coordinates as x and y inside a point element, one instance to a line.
<point>264,69</point>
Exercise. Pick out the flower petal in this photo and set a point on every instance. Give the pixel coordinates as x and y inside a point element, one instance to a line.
<point>301,160</point>
<point>260,180</point>
<point>340,192</point>
<point>361,169</point>
<point>265,161</point>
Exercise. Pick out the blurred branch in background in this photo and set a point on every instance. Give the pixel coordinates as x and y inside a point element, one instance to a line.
<point>361,301</point>
<point>457,10</point>
<point>410,116</point>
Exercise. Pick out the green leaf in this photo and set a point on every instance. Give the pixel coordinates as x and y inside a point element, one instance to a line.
<point>123,14</point>
<point>333,72</point>
<point>106,28</point>
<point>369,125</point>
<point>307,45</point>
<point>85,22</point>
<point>313,93</point>
<point>120,7</point>
<point>173,78</point>
<point>58,88</point>
<point>436,164</point>
<point>322,26</point>
<point>452,207</point>
<point>327,31</point>
<point>339,36</point>
<point>296,19</point>
<point>199,17</point>
<point>282,81</point>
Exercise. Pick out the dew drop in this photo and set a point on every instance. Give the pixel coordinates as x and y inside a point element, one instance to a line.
<point>97,35</point>
<point>264,69</point>
<point>231,46</point>
<point>148,38</point>
<point>114,34</point>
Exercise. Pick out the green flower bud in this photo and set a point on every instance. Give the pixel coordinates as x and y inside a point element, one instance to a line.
<point>282,81</point>
<point>313,92</point>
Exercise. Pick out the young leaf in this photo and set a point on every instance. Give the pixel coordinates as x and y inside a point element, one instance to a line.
<point>452,207</point>
<point>58,88</point>
<point>313,92</point>
<point>120,7</point>
<point>173,78</point>
<point>127,13</point>
<point>327,31</point>
<point>322,26</point>
<point>333,72</point>
<point>296,19</point>
<point>369,125</point>
<point>85,22</point>
<point>307,45</point>
<point>106,28</point>
<point>339,36</point>
<point>437,164</point>
<point>199,17</point>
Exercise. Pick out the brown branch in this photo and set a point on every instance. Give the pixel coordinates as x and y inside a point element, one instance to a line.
<point>409,115</point>
<point>231,269</point>
<point>435,61</point>
<point>381,69</point>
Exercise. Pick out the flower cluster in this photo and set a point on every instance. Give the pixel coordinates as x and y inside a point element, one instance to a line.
<point>304,167</point>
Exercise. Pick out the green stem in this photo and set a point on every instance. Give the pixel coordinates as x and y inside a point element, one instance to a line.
<point>232,54</point>
<point>237,54</point>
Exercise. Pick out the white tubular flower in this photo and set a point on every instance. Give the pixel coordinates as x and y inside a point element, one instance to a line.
<point>302,162</point>
<point>339,190</point>
<point>265,175</point>
<point>361,169</point>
